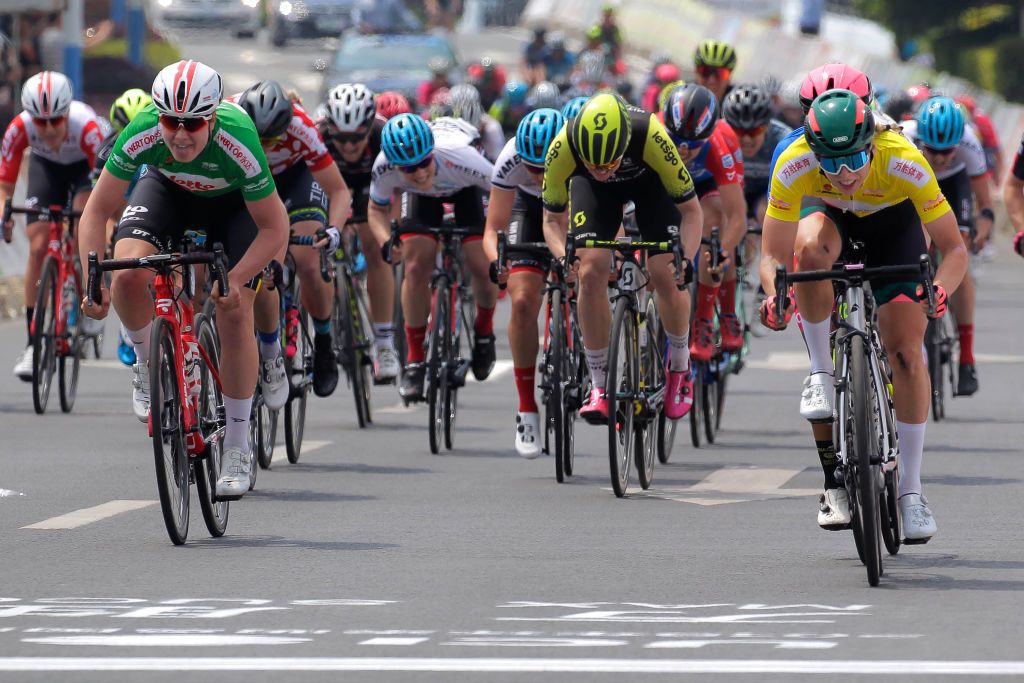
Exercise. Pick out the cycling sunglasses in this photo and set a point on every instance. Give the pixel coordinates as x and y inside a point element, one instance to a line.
<point>719,72</point>
<point>689,144</point>
<point>604,168</point>
<point>43,123</point>
<point>940,152</point>
<point>535,170</point>
<point>349,138</point>
<point>412,168</point>
<point>750,132</point>
<point>853,162</point>
<point>191,125</point>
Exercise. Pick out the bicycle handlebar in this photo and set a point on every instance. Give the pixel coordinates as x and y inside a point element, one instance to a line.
<point>215,259</point>
<point>309,241</point>
<point>683,267</point>
<point>502,255</point>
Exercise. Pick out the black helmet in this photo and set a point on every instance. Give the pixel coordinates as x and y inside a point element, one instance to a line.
<point>747,106</point>
<point>269,108</point>
<point>691,113</point>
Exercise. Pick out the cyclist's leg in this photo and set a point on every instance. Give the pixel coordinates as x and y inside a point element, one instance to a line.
<point>957,190</point>
<point>419,253</point>
<point>702,343</point>
<point>469,213</point>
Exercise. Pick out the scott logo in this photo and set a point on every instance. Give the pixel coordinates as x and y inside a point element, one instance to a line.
<point>600,122</point>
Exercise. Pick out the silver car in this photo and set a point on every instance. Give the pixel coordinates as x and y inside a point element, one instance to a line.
<point>241,17</point>
<point>289,19</point>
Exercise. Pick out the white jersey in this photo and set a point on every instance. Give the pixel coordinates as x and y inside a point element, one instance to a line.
<point>457,165</point>
<point>492,137</point>
<point>969,153</point>
<point>510,172</point>
<point>81,143</point>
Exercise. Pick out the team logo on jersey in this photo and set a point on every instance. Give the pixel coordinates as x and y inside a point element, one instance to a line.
<point>779,204</point>
<point>794,168</point>
<point>934,202</point>
<point>909,170</point>
<point>131,211</point>
<point>579,219</point>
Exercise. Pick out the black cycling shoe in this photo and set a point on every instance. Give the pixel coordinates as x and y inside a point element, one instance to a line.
<point>483,357</point>
<point>411,388</point>
<point>967,382</point>
<point>325,366</point>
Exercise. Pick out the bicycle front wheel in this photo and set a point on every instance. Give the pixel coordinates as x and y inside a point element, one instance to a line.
<point>44,335</point>
<point>266,429</point>
<point>555,363</point>
<point>73,345</point>
<point>207,469</point>
<point>933,344</point>
<point>620,387</point>
<point>172,459</point>
<point>697,411</point>
<point>437,367</point>
<point>866,474</point>
<point>300,372</point>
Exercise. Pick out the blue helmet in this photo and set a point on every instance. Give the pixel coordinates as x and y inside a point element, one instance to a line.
<point>573,106</point>
<point>940,123</point>
<point>406,139</point>
<point>535,133</point>
<point>515,93</point>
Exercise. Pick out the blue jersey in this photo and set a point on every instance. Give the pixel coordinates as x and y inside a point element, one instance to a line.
<point>782,146</point>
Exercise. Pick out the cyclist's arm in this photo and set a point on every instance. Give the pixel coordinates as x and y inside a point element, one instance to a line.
<point>777,239</point>
<point>271,239</point>
<point>980,185</point>
<point>499,211</point>
<point>945,233</point>
<point>691,225</point>
<point>106,198</point>
<point>559,165</point>
<point>330,179</point>
<point>556,229</point>
<point>1013,198</point>
<point>735,206</point>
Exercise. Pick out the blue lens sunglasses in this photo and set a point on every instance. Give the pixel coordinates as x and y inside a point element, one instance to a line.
<point>853,162</point>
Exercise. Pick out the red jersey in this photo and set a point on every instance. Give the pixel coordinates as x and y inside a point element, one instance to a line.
<point>301,142</point>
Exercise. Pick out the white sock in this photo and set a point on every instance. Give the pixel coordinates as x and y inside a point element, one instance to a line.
<point>236,433</point>
<point>816,336</point>
<point>383,336</point>
<point>597,361</point>
<point>678,352</point>
<point>140,340</point>
<point>911,455</point>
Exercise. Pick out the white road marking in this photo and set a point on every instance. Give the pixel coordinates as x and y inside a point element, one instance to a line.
<point>997,358</point>
<point>830,667</point>
<point>781,360</point>
<point>7,493</point>
<point>73,520</point>
<point>740,484</point>
<point>394,641</point>
<point>778,644</point>
<point>281,453</point>
<point>165,640</point>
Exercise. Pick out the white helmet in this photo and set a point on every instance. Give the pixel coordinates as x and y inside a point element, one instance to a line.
<point>187,89</point>
<point>47,95</point>
<point>351,106</point>
<point>465,103</point>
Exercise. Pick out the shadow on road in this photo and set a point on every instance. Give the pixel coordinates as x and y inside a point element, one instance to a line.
<point>228,542</point>
<point>293,496</point>
<point>353,468</point>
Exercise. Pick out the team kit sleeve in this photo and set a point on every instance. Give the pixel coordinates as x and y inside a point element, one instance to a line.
<point>785,191</point>
<point>91,141</point>
<point>721,161</point>
<point>253,171</point>
<point>661,156</point>
<point>478,169</point>
<point>124,161</point>
<point>314,149</point>
<point>559,165</point>
<point>383,181</point>
<point>12,150</point>
<point>973,154</point>
<point>919,184</point>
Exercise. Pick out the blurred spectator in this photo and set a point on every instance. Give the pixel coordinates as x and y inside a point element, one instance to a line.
<point>533,57</point>
<point>10,79</point>
<point>489,79</point>
<point>663,74</point>
<point>810,16</point>
<point>439,68</point>
<point>51,43</point>
<point>443,13</point>
<point>558,61</point>
<point>606,35</point>
<point>28,47</point>
<point>384,16</point>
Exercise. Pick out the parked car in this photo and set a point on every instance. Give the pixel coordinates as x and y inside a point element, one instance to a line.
<point>241,17</point>
<point>387,62</point>
<point>289,19</point>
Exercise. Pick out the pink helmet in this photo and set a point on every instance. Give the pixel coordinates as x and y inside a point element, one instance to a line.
<point>830,77</point>
<point>666,73</point>
<point>919,93</point>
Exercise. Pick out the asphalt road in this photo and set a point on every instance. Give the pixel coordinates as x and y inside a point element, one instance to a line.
<point>372,556</point>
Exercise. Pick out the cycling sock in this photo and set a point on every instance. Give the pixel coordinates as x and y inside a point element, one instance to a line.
<point>270,343</point>
<point>678,352</point>
<point>706,295</point>
<point>597,361</point>
<point>29,313</point>
<point>383,336</point>
<point>140,339</point>
<point>966,333</point>
<point>816,336</point>
<point>911,455</point>
<point>414,337</point>
<point>236,431</point>
<point>484,326</point>
<point>827,456</point>
<point>525,381</point>
<point>322,327</point>
<point>727,297</point>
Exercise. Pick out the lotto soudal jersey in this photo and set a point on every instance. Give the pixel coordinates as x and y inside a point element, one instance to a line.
<point>457,165</point>
<point>510,172</point>
<point>232,159</point>
<point>81,143</point>
<point>969,153</point>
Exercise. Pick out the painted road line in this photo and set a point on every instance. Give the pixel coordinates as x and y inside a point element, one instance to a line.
<point>997,358</point>
<point>394,641</point>
<point>7,493</point>
<point>73,520</point>
<point>744,480</point>
<point>165,640</point>
<point>281,453</point>
<point>829,667</point>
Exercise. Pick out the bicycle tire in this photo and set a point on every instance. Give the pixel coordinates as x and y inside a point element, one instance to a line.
<point>254,436</point>
<point>398,318</point>
<point>169,452</point>
<point>44,335</point>
<point>364,336</point>
<point>70,362</point>
<point>575,390</point>
<point>207,469</point>
<point>652,371</point>
<point>709,409</point>
<point>697,411</point>
<point>620,385</point>
<point>455,360</point>
<point>935,374</point>
<point>437,382</point>
<point>299,373</point>
<point>889,505</point>
<point>866,475</point>
<point>267,431</point>
<point>554,407</point>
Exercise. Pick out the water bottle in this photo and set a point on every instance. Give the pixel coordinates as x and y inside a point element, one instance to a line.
<point>193,378</point>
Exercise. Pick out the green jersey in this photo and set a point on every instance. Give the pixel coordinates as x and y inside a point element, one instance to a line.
<point>232,160</point>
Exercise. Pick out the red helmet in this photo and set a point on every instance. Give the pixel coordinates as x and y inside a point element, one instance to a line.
<point>967,102</point>
<point>391,103</point>
<point>666,73</point>
<point>919,93</point>
<point>831,76</point>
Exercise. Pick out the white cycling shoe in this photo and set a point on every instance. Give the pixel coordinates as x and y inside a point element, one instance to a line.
<point>817,397</point>
<point>140,390</point>
<point>385,365</point>
<point>918,524</point>
<point>234,472</point>
<point>834,510</point>
<point>274,382</point>
<point>528,435</point>
<point>92,327</point>
<point>23,368</point>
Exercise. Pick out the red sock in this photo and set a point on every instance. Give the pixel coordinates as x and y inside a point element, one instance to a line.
<point>415,336</point>
<point>706,295</point>
<point>966,333</point>
<point>727,297</point>
<point>525,387</point>
<point>484,321</point>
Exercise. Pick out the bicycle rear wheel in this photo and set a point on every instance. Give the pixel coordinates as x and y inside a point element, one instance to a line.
<point>890,509</point>
<point>44,335</point>
<point>207,469</point>
<point>709,409</point>
<point>864,443</point>
<point>437,370</point>
<point>266,430</point>
<point>620,387</point>
<point>697,411</point>
<point>300,373</point>
<point>70,357</point>
<point>172,459</point>
<point>554,407</point>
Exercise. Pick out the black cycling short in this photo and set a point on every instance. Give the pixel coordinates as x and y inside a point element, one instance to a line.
<point>527,226</point>
<point>595,209</point>
<point>302,195</point>
<point>360,188</point>
<point>50,183</point>
<point>159,212</point>
<point>891,237</point>
<point>705,187</point>
<point>419,211</point>
<point>957,190</point>
<point>754,194</point>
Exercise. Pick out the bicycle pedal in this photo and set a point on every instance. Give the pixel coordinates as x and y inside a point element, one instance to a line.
<point>916,541</point>
<point>457,376</point>
<point>226,499</point>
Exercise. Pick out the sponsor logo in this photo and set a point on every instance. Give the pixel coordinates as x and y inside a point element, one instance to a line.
<point>728,161</point>
<point>258,185</point>
<point>871,192</point>
<point>600,121</point>
<point>794,168</point>
<point>197,183</point>
<point>508,166</point>
<point>934,202</point>
<point>132,210</point>
<point>579,219</point>
<point>139,143</point>
<point>909,170</point>
<point>239,153</point>
<point>841,138</point>
<point>667,148</point>
<point>779,204</point>
<point>139,233</point>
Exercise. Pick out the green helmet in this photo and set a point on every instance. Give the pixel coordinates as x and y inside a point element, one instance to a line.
<point>125,107</point>
<point>600,131</point>
<point>715,53</point>
<point>838,123</point>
